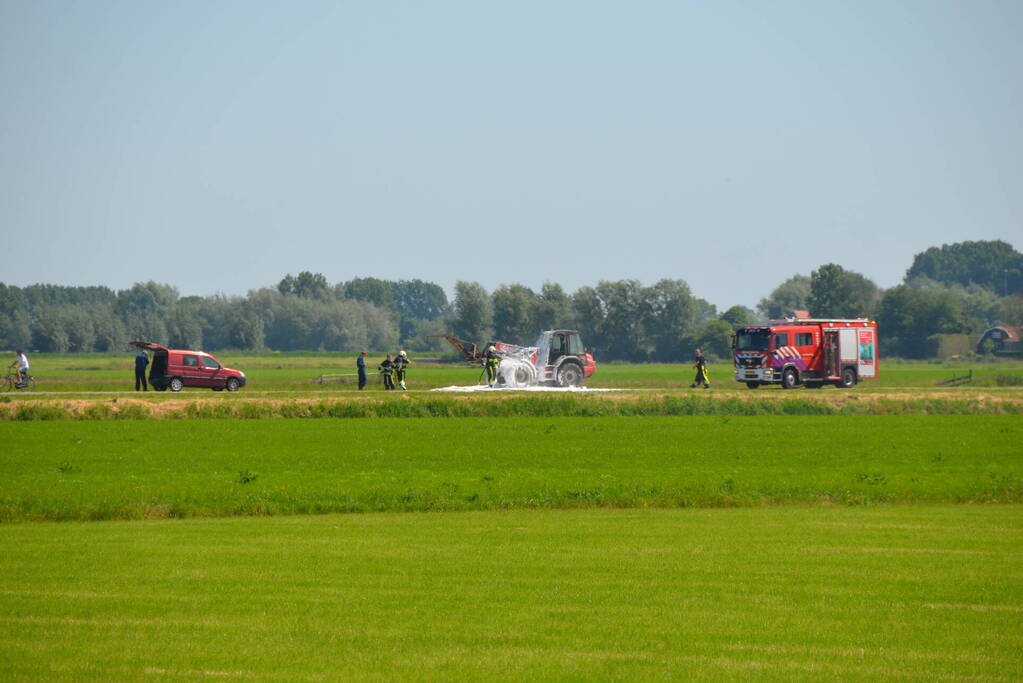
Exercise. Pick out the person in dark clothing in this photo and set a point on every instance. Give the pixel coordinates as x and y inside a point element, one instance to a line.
<point>387,370</point>
<point>360,363</point>
<point>141,361</point>
<point>701,372</point>
<point>401,362</point>
<point>492,360</point>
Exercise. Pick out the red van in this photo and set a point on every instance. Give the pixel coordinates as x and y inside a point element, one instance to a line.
<point>176,369</point>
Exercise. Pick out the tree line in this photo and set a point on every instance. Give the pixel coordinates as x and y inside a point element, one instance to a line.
<point>961,288</point>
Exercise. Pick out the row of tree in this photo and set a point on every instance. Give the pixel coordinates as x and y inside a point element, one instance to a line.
<point>960,288</point>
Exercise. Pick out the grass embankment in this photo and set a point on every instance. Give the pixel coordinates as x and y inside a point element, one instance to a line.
<point>916,592</point>
<point>514,404</point>
<point>132,470</point>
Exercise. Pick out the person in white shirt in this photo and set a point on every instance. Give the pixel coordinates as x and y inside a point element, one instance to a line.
<point>21,365</point>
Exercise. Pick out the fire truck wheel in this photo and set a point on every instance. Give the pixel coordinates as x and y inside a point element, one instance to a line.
<point>753,385</point>
<point>848,378</point>
<point>789,379</point>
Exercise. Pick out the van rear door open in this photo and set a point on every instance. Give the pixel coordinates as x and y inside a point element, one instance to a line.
<point>148,346</point>
<point>158,367</point>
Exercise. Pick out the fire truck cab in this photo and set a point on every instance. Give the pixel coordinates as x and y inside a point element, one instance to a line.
<point>812,352</point>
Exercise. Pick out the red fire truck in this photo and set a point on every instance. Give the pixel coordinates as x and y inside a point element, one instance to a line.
<point>812,352</point>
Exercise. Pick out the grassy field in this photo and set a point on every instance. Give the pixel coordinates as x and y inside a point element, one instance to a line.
<point>654,531</point>
<point>866,593</point>
<point>296,372</point>
<point>142,469</point>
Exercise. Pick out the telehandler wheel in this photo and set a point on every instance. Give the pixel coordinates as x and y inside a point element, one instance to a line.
<point>570,375</point>
<point>515,375</point>
<point>789,379</point>
<point>521,377</point>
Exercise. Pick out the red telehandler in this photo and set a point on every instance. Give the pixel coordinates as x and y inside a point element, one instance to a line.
<point>557,359</point>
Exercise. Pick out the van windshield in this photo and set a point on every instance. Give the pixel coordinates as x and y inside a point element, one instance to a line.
<point>752,340</point>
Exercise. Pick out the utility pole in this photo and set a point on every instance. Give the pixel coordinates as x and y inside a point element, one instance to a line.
<point>1005,282</point>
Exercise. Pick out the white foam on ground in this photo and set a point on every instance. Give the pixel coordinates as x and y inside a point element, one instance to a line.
<point>484,387</point>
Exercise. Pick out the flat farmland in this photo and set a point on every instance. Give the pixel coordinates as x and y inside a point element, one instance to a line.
<point>297,372</point>
<point>98,387</point>
<point>918,592</point>
<point>652,531</point>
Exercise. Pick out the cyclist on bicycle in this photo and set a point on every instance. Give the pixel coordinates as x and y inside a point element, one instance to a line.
<point>21,365</point>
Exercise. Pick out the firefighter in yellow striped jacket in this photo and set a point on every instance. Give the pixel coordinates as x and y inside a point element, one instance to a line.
<point>492,360</point>
<point>701,372</point>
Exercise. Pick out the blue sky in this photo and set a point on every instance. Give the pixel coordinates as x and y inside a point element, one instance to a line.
<point>218,146</point>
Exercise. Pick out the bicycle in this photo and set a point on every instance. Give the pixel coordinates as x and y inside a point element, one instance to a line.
<point>10,383</point>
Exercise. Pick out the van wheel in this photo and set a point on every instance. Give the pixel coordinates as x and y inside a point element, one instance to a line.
<point>789,379</point>
<point>848,378</point>
<point>232,384</point>
<point>176,384</point>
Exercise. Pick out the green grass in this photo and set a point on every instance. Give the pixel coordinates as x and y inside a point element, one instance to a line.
<point>666,535</point>
<point>138,469</point>
<point>911,592</point>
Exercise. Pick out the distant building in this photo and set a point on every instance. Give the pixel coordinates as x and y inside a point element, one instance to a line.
<point>1004,340</point>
